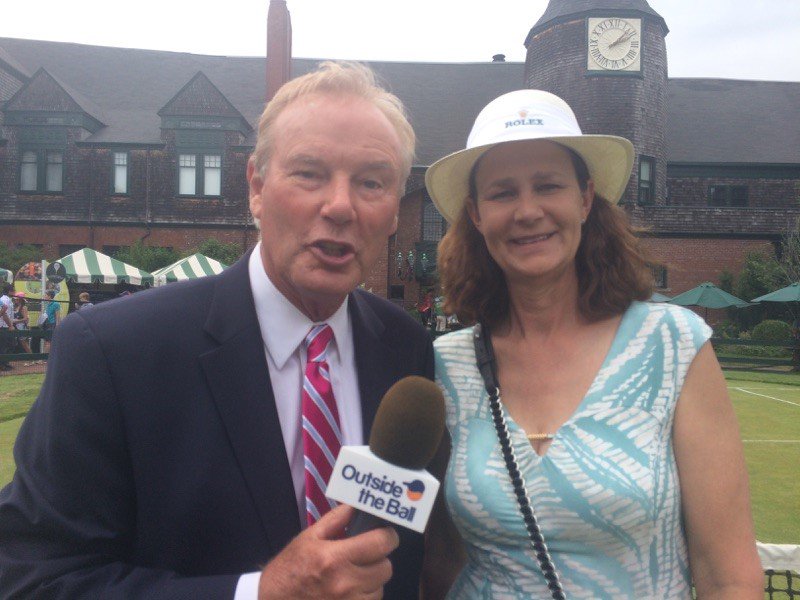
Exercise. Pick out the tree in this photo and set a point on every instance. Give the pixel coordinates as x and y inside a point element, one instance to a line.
<point>790,254</point>
<point>148,258</point>
<point>13,258</point>
<point>760,275</point>
<point>225,253</point>
<point>727,281</point>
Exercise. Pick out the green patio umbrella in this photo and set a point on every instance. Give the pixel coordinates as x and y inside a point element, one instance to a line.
<point>708,296</point>
<point>791,293</point>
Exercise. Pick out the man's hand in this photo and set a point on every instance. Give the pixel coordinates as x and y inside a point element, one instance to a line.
<point>319,563</point>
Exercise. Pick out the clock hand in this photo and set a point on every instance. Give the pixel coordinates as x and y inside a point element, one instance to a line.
<point>624,37</point>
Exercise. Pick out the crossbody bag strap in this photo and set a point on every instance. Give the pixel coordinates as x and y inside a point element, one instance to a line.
<point>484,354</point>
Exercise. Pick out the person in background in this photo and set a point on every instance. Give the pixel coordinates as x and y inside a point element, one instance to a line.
<point>21,319</point>
<point>83,301</point>
<point>52,315</point>
<point>425,308</point>
<point>438,313</point>
<point>6,323</point>
<point>194,466</point>
<point>621,473</point>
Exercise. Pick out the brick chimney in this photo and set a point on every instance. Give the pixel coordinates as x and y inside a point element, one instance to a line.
<point>279,46</point>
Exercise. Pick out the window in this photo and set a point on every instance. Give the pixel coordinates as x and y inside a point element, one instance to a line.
<point>55,171</point>
<point>738,195</point>
<point>433,224</point>
<point>200,174</point>
<point>120,175</point>
<point>187,178</point>
<point>41,171</point>
<point>659,275</point>
<point>646,180</point>
<point>212,175</point>
<point>727,195</point>
<point>64,249</point>
<point>397,294</point>
<point>28,175</point>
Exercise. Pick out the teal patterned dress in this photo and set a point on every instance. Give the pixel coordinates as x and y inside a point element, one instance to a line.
<point>606,492</point>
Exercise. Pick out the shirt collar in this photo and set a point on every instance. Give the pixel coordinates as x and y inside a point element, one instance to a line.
<point>283,326</point>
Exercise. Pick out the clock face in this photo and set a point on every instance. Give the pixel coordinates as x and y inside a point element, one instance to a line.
<point>614,44</point>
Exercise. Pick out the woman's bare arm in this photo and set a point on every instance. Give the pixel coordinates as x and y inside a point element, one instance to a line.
<point>714,486</point>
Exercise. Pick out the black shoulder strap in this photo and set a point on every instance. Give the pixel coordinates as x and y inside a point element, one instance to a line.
<point>484,353</point>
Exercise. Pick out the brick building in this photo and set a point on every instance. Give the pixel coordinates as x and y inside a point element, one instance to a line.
<point>102,147</point>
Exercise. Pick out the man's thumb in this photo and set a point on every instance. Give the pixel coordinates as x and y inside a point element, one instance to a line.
<point>332,525</point>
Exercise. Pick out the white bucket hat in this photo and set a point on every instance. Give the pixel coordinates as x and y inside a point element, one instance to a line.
<point>529,115</point>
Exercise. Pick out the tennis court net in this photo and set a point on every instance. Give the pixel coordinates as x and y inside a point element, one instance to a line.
<point>781,563</point>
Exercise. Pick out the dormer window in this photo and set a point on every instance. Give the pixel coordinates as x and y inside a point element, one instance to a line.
<point>200,174</point>
<point>42,171</point>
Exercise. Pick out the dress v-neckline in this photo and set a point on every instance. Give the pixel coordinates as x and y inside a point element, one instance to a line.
<point>515,429</point>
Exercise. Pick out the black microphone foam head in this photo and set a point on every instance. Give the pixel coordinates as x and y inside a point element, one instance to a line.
<point>409,423</point>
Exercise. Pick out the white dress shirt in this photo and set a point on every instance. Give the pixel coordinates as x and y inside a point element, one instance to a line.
<point>283,329</point>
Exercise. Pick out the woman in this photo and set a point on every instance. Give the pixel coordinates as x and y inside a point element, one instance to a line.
<point>21,320</point>
<point>52,315</point>
<point>615,410</point>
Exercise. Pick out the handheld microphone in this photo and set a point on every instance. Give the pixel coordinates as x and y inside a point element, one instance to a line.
<point>385,481</point>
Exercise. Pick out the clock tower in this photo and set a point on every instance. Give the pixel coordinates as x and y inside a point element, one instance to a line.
<point>608,60</point>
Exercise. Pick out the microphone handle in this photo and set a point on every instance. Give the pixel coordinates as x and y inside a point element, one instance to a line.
<point>364,522</point>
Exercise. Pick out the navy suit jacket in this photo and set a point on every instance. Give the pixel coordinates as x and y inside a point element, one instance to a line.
<point>152,464</point>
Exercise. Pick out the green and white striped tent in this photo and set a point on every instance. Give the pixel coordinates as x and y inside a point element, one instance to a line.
<point>90,266</point>
<point>6,275</point>
<point>191,267</point>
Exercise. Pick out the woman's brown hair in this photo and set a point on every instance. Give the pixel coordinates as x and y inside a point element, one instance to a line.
<point>611,263</point>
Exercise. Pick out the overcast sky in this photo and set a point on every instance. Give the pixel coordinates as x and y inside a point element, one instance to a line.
<point>740,39</point>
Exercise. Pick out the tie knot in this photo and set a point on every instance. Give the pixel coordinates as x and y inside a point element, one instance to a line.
<point>317,342</point>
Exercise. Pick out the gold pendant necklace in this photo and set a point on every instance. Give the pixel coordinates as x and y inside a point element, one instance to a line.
<point>540,437</point>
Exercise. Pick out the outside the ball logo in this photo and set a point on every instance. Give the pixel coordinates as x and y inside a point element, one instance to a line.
<point>415,489</point>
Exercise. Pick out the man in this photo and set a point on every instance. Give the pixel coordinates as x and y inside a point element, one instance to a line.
<point>6,322</point>
<point>162,466</point>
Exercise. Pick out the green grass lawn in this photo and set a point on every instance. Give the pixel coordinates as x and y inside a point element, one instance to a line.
<point>8,433</point>
<point>770,428</point>
<point>767,404</point>
<point>17,393</point>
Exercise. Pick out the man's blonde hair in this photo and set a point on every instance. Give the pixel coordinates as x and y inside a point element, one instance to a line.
<point>337,78</point>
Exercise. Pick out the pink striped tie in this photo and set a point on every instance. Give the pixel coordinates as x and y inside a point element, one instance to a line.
<point>322,436</point>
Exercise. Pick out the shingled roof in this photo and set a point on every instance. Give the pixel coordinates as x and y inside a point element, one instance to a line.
<point>60,93</point>
<point>9,63</point>
<point>709,120</point>
<point>558,11</point>
<point>731,121</point>
<point>442,99</point>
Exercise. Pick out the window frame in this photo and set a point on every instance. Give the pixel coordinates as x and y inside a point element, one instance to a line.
<point>200,169</point>
<point>22,164</point>
<point>660,276</point>
<point>728,190</point>
<point>42,165</point>
<point>114,165</point>
<point>650,187</point>
<point>431,219</point>
<point>65,249</point>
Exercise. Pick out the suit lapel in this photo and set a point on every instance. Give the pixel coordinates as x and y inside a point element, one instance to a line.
<point>376,361</point>
<point>238,378</point>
